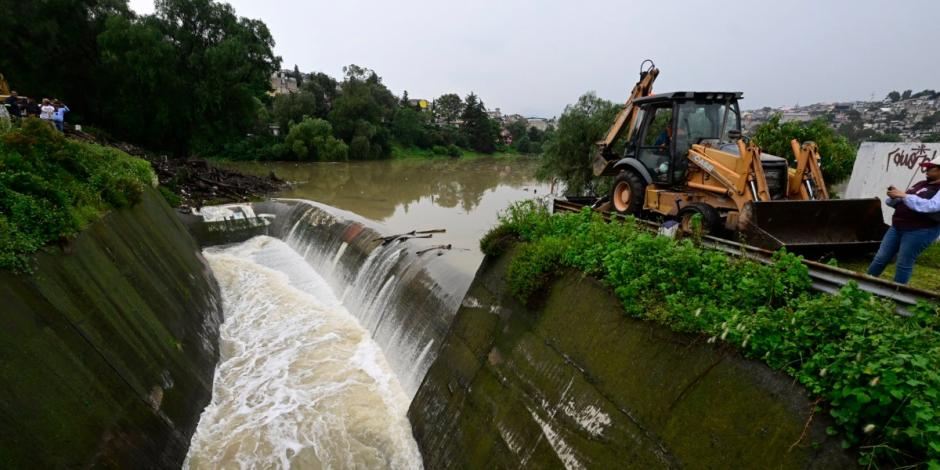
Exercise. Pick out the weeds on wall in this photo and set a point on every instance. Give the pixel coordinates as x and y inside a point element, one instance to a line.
<point>877,372</point>
<point>51,187</point>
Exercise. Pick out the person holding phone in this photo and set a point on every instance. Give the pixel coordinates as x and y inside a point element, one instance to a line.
<point>915,224</point>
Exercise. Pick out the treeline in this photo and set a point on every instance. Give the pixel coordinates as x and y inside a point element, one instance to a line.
<point>359,118</point>
<point>895,96</point>
<point>188,77</point>
<point>194,78</point>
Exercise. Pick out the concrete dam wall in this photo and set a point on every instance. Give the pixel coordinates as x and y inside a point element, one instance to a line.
<point>575,383</point>
<point>402,298</point>
<point>109,346</point>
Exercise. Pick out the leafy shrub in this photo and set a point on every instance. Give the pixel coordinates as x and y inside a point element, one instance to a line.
<point>454,151</point>
<point>495,241</point>
<point>439,150</point>
<point>879,372</point>
<point>52,187</point>
<point>533,266</point>
<point>836,154</point>
<point>312,139</point>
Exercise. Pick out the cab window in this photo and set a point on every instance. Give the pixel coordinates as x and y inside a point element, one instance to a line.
<point>655,148</point>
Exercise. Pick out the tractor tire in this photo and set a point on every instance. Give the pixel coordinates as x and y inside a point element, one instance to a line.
<point>710,217</point>
<point>627,193</point>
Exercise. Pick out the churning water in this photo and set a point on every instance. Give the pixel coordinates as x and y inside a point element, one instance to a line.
<point>300,382</point>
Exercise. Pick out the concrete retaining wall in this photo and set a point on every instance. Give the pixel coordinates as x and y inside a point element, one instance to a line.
<point>879,165</point>
<point>577,383</point>
<point>109,347</point>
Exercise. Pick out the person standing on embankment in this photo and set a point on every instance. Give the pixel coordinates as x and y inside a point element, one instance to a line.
<point>58,117</point>
<point>915,224</point>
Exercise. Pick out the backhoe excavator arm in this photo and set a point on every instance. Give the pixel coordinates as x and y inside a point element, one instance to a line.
<point>626,118</point>
<point>806,182</point>
<point>745,182</point>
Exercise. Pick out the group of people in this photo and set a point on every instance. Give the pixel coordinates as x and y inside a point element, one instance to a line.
<point>52,111</point>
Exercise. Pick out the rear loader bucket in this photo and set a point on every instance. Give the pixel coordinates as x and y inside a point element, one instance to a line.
<point>834,225</point>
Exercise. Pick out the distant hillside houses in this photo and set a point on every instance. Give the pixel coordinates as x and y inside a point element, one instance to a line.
<point>541,124</point>
<point>283,82</point>
<point>913,118</point>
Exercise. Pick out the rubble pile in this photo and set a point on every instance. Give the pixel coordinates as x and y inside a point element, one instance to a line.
<point>199,183</point>
<point>195,180</point>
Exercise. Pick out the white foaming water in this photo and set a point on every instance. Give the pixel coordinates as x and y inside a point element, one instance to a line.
<point>299,383</point>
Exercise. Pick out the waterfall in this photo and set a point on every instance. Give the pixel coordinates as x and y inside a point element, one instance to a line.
<point>405,300</point>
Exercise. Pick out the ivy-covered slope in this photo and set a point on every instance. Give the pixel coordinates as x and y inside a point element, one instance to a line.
<point>51,187</point>
<point>876,373</point>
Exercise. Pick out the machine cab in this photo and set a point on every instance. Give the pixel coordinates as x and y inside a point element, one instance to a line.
<point>668,124</point>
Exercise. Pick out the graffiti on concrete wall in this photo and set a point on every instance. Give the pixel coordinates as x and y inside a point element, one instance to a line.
<point>882,164</point>
<point>910,157</point>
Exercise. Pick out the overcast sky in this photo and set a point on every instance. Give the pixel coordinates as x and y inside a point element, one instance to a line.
<point>534,57</point>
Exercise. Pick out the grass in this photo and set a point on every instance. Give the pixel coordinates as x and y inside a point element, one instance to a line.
<point>399,152</point>
<point>52,187</point>
<point>926,268</point>
<point>877,373</point>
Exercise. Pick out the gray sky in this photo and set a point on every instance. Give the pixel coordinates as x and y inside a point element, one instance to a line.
<point>534,57</point>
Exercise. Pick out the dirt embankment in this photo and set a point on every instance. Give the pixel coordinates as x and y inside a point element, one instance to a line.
<point>196,181</point>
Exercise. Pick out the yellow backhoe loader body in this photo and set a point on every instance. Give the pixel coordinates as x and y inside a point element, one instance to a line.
<point>723,177</point>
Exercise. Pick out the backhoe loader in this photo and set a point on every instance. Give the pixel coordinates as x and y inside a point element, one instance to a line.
<point>685,156</point>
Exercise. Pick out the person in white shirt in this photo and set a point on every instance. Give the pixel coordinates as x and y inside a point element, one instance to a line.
<point>47,111</point>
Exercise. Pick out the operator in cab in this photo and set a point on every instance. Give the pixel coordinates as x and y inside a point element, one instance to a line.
<point>914,226</point>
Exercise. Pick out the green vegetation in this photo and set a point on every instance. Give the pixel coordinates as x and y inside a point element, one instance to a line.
<point>51,187</point>
<point>567,152</point>
<point>194,78</point>
<point>191,76</point>
<point>836,153</point>
<point>369,121</point>
<point>312,139</point>
<point>878,372</point>
<point>926,269</point>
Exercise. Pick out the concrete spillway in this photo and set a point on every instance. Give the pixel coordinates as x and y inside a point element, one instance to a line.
<point>327,336</point>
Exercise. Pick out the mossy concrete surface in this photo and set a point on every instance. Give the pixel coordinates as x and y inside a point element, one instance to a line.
<point>575,383</point>
<point>109,346</point>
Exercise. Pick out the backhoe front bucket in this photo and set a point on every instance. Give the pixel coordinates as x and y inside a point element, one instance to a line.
<point>811,227</point>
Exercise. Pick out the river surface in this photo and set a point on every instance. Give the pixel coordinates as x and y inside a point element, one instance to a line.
<point>462,196</point>
<point>301,383</point>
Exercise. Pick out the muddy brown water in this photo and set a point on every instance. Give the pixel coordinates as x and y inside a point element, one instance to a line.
<point>462,196</point>
<point>319,374</point>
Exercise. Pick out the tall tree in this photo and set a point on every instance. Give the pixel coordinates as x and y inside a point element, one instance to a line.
<point>480,130</point>
<point>567,153</point>
<point>226,61</point>
<point>50,49</point>
<point>361,113</point>
<point>408,127</point>
<point>448,107</point>
<point>291,108</point>
<point>298,77</point>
